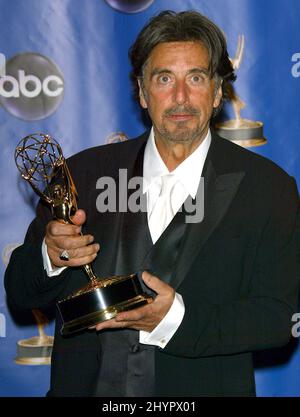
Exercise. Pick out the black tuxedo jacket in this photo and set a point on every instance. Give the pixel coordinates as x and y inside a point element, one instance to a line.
<point>237,271</point>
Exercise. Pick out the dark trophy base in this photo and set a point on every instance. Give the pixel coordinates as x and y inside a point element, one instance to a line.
<point>99,301</point>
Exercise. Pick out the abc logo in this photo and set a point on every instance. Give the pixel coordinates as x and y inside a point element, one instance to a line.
<point>130,6</point>
<point>31,86</point>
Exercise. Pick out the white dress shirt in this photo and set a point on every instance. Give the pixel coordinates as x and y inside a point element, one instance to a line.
<point>186,179</point>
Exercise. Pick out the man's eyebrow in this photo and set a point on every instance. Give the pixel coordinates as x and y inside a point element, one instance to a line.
<point>199,69</point>
<point>158,71</point>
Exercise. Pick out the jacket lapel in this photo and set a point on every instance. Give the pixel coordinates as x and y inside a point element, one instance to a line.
<point>134,238</point>
<point>219,191</point>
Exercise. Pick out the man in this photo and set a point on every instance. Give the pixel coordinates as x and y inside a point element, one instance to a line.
<point>225,286</point>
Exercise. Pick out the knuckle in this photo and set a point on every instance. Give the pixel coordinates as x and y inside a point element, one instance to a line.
<point>52,252</point>
<point>49,228</point>
<point>91,250</point>
<point>86,259</point>
<point>72,243</point>
<point>95,247</point>
<point>91,258</point>
<point>88,239</point>
<point>54,228</point>
<point>75,253</point>
<point>77,261</point>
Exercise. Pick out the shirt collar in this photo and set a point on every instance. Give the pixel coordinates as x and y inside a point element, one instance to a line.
<point>188,172</point>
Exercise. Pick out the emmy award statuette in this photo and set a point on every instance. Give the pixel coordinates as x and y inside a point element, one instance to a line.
<point>244,132</point>
<point>40,160</point>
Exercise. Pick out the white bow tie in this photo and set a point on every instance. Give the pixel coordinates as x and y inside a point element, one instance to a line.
<point>162,212</point>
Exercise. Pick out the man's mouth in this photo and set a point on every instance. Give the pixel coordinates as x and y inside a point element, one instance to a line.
<point>180,117</point>
<point>181,114</point>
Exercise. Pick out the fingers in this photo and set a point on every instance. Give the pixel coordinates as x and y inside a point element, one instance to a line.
<point>73,262</point>
<point>121,324</point>
<point>79,217</point>
<point>138,320</point>
<point>77,257</point>
<point>61,236</point>
<point>56,228</point>
<point>146,317</point>
<point>156,284</point>
<point>68,242</point>
<point>110,324</point>
<point>134,315</point>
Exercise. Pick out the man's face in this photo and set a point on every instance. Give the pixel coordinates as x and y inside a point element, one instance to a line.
<point>178,92</point>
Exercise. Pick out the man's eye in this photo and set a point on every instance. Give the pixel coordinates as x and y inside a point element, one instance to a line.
<point>164,79</point>
<point>198,79</point>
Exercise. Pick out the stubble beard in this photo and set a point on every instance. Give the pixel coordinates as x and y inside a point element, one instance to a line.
<point>182,133</point>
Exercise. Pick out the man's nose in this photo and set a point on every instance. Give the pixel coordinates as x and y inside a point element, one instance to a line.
<point>181,93</point>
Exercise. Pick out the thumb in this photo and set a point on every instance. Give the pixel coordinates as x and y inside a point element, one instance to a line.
<point>79,217</point>
<point>156,284</point>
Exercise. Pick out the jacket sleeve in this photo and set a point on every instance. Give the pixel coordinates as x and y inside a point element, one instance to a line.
<point>262,318</point>
<point>26,282</point>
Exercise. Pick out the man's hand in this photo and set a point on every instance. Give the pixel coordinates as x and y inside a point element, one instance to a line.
<point>61,236</point>
<point>147,317</point>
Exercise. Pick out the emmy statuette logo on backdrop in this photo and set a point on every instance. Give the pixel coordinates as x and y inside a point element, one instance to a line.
<point>244,132</point>
<point>116,137</point>
<point>35,350</point>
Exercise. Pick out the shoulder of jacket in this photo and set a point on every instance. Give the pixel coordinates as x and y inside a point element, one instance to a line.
<point>101,152</point>
<point>249,160</point>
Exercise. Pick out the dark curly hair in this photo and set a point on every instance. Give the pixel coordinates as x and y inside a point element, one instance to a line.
<point>169,26</point>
